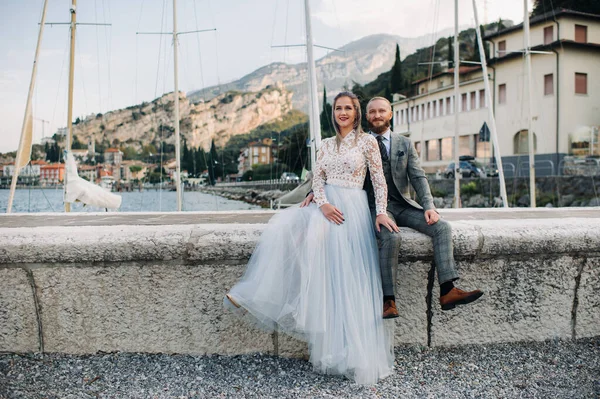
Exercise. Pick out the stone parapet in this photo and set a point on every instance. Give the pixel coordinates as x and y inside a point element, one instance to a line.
<point>159,288</point>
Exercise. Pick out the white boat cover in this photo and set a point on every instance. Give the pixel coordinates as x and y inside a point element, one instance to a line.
<point>81,190</point>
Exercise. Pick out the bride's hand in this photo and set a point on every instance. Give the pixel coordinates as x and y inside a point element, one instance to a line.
<point>332,214</point>
<point>386,221</point>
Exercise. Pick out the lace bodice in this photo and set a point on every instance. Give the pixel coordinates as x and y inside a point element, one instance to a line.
<point>347,167</point>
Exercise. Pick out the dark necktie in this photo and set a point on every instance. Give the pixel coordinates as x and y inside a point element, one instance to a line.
<point>382,149</point>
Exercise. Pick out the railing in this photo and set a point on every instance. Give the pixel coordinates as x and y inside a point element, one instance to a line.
<point>524,167</point>
<point>270,182</point>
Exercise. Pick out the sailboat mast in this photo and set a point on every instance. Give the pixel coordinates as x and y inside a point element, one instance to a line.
<point>456,102</point>
<point>530,143</point>
<point>26,118</point>
<point>176,93</point>
<point>488,99</point>
<point>313,105</point>
<point>70,95</point>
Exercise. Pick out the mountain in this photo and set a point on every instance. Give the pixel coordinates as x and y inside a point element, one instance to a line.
<point>229,114</point>
<point>360,61</point>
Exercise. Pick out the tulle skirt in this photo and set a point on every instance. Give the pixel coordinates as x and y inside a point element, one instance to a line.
<point>320,282</point>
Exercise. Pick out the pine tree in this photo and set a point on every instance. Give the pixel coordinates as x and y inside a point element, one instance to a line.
<point>213,163</point>
<point>450,52</point>
<point>185,156</point>
<point>325,117</point>
<point>396,81</point>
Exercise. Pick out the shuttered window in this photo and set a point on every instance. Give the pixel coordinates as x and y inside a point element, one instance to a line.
<point>580,83</point>
<point>548,84</point>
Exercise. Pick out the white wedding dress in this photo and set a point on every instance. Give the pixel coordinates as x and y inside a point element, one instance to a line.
<point>319,281</point>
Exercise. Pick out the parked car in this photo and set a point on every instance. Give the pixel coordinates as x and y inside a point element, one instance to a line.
<point>468,168</point>
<point>290,177</point>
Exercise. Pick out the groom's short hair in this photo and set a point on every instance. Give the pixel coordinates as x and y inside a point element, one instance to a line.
<point>379,98</point>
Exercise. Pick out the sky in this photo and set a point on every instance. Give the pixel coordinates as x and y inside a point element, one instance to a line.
<point>116,68</point>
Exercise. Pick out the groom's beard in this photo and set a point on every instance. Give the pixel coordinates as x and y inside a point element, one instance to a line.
<point>379,129</point>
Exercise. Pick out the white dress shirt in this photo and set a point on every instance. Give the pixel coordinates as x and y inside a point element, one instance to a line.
<point>386,140</point>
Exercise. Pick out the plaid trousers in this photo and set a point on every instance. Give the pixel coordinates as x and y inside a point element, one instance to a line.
<point>389,245</point>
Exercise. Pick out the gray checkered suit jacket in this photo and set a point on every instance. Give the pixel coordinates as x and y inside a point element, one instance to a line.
<point>406,169</point>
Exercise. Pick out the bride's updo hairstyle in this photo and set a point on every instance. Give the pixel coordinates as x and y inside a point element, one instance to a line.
<point>357,117</point>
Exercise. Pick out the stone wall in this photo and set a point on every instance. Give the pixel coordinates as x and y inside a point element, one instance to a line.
<point>159,288</point>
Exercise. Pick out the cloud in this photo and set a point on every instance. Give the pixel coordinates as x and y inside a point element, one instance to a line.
<point>408,18</point>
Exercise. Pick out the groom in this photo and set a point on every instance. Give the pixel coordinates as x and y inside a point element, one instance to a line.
<point>401,163</point>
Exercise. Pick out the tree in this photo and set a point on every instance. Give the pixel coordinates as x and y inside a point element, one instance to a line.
<point>450,52</point>
<point>213,162</point>
<point>476,54</point>
<point>396,78</point>
<point>129,153</point>
<point>325,117</point>
<point>544,6</point>
<point>77,145</point>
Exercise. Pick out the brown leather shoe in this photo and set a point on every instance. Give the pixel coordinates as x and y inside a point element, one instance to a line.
<point>458,297</point>
<point>234,303</point>
<point>389,310</point>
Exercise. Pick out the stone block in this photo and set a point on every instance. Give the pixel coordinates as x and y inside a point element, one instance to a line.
<point>524,300</point>
<point>588,307</point>
<point>291,347</point>
<point>503,238</point>
<point>144,308</point>
<point>216,242</point>
<point>93,244</point>
<point>18,323</point>
<point>411,301</point>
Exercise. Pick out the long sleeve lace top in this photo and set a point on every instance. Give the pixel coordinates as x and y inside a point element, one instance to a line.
<point>347,167</point>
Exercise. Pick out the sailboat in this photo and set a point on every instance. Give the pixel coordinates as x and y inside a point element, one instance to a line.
<point>299,193</point>
<point>76,189</point>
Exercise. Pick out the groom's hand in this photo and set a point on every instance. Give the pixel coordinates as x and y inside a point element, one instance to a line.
<point>431,217</point>
<point>386,221</point>
<point>307,200</point>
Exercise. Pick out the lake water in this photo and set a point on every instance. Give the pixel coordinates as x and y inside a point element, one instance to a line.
<point>51,200</point>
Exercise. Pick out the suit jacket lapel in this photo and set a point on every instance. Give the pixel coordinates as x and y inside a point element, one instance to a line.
<point>394,150</point>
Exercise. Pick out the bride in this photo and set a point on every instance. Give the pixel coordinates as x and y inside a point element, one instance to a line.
<point>315,273</point>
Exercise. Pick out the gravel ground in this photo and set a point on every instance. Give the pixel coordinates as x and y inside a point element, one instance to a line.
<point>552,369</point>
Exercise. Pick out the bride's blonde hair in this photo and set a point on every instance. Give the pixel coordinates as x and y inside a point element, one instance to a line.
<point>357,117</point>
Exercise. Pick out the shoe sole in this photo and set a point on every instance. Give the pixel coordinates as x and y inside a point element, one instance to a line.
<point>394,316</point>
<point>234,303</point>
<point>464,301</point>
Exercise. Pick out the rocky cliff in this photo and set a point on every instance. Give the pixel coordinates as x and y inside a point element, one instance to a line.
<point>223,116</point>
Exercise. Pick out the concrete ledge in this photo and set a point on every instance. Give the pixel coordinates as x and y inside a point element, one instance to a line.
<point>158,288</point>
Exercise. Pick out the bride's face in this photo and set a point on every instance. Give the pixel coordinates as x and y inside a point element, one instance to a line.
<point>344,112</point>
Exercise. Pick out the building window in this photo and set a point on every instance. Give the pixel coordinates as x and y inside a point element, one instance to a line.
<point>502,48</point>
<point>548,34</point>
<point>502,93</point>
<point>447,148</point>
<point>481,98</point>
<point>441,84</point>
<point>428,113</point>
<point>463,102</point>
<point>581,33</point>
<point>473,100</point>
<point>548,84</point>
<point>580,83</point>
<point>448,106</point>
<point>521,142</point>
<point>433,150</point>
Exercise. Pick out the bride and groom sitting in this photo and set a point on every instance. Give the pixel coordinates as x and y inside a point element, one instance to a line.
<point>321,272</point>
<point>401,167</point>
